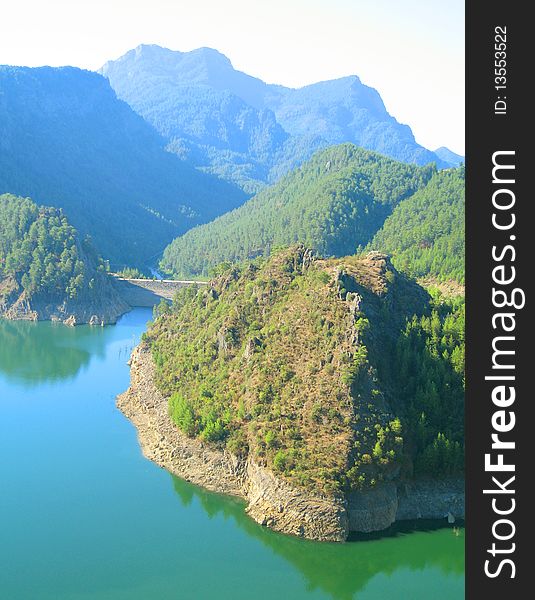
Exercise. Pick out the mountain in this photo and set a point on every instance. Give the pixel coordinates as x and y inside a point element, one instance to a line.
<point>450,157</point>
<point>209,113</point>
<point>346,110</point>
<point>250,132</point>
<point>312,386</point>
<point>67,141</point>
<point>333,203</point>
<point>47,271</point>
<point>425,233</point>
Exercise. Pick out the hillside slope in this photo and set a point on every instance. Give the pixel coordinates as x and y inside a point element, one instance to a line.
<point>67,141</point>
<point>333,203</point>
<point>425,233</point>
<point>47,271</point>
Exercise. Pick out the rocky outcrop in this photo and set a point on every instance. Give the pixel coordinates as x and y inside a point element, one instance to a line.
<point>101,307</point>
<point>277,504</point>
<point>380,507</point>
<point>372,510</point>
<point>272,501</point>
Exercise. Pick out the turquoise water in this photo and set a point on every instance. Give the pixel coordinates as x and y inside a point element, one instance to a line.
<point>84,516</point>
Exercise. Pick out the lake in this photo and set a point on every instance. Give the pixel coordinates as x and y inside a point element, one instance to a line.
<point>84,516</point>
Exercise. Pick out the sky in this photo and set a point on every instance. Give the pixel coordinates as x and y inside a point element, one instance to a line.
<point>411,51</point>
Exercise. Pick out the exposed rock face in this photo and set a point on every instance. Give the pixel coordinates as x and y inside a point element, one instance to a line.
<point>382,506</point>
<point>277,504</point>
<point>430,499</point>
<point>373,510</point>
<point>101,308</point>
<point>272,501</point>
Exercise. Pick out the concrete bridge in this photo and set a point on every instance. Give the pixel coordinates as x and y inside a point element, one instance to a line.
<point>148,292</point>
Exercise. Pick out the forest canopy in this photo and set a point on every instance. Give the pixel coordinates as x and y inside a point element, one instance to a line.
<point>333,203</point>
<point>42,251</point>
<point>425,233</point>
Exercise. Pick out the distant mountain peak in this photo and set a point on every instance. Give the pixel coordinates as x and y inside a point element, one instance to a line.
<point>154,55</point>
<point>211,54</point>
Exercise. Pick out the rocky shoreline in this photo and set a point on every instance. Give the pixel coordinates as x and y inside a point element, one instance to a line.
<point>272,501</point>
<point>103,308</point>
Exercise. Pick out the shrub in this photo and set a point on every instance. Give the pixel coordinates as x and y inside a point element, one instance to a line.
<point>182,414</point>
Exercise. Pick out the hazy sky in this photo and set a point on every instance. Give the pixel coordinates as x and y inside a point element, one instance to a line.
<point>412,51</point>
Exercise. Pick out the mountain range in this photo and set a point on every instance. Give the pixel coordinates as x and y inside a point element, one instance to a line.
<point>162,141</point>
<point>342,200</point>
<point>311,376</point>
<point>235,125</point>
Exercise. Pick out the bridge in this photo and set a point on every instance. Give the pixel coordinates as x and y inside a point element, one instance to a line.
<point>148,292</point>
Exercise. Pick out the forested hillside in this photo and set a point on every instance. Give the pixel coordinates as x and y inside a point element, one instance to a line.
<point>333,203</point>
<point>40,248</point>
<point>425,233</point>
<point>44,264</point>
<point>336,374</point>
<point>67,141</point>
<point>250,132</point>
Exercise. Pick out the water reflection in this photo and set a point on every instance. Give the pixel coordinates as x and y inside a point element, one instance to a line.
<point>34,353</point>
<point>77,455</point>
<point>343,570</point>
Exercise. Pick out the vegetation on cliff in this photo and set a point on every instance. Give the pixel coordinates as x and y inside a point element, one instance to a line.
<point>426,369</point>
<point>335,373</point>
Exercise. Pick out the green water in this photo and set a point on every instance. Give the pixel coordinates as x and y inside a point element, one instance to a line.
<point>84,516</point>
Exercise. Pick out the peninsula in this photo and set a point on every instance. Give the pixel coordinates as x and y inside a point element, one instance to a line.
<point>298,384</point>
